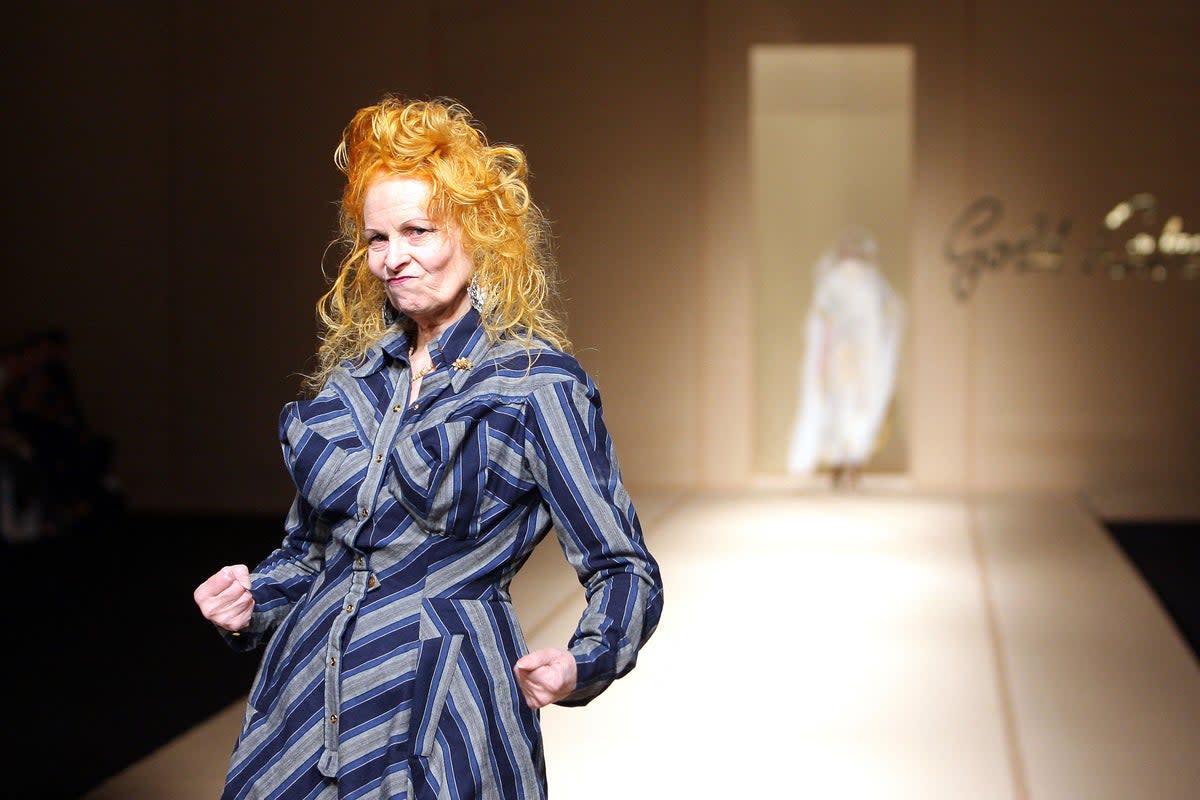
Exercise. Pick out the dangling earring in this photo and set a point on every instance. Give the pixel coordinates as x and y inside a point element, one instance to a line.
<point>476,294</point>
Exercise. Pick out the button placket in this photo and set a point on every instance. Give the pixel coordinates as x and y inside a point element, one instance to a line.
<point>384,435</point>
<point>361,580</point>
<point>333,683</point>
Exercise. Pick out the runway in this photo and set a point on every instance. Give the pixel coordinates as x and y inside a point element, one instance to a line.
<point>874,644</point>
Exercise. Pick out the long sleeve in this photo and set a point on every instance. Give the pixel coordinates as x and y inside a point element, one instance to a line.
<point>574,464</point>
<point>284,576</point>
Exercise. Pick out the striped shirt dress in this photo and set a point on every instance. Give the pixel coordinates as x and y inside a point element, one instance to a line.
<point>390,633</point>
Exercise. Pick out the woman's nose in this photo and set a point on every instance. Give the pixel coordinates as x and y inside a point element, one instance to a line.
<point>397,255</point>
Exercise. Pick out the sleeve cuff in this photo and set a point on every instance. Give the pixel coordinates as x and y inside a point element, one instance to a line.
<point>593,674</point>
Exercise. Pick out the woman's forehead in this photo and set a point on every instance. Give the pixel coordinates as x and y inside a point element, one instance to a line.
<point>393,195</point>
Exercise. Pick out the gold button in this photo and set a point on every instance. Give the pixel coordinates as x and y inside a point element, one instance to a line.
<point>358,561</point>
<point>332,661</point>
<point>350,608</point>
<point>371,582</point>
<point>397,408</point>
<point>363,513</point>
<point>333,719</point>
<point>378,458</point>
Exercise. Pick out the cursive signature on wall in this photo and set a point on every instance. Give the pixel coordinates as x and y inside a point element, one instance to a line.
<point>1124,244</point>
<point>1039,249</point>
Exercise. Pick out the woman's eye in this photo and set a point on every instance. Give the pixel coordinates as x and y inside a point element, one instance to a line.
<point>417,232</point>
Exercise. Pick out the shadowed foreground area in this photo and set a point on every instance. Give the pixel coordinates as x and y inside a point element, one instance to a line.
<point>109,657</point>
<point>1167,554</point>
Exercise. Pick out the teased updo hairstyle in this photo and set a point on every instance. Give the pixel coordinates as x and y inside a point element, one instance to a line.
<point>479,188</point>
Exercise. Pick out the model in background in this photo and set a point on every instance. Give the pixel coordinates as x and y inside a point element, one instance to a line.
<point>450,430</point>
<point>848,375</point>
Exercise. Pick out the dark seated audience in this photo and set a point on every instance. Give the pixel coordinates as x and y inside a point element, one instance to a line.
<point>56,472</point>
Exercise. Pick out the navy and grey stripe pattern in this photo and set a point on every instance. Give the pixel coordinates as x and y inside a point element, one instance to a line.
<point>389,629</point>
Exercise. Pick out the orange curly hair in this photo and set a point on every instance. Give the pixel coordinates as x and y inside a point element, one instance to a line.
<point>479,187</point>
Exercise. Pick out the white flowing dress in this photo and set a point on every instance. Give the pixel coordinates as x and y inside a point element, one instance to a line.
<point>848,374</point>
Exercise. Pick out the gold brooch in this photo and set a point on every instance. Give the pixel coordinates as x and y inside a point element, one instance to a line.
<point>462,363</point>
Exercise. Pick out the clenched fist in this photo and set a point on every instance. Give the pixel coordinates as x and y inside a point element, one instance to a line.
<point>225,599</point>
<point>545,676</point>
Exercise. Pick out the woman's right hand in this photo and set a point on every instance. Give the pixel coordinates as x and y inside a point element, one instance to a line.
<point>225,599</point>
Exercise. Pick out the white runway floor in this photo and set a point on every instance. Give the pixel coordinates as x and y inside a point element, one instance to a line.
<point>870,645</point>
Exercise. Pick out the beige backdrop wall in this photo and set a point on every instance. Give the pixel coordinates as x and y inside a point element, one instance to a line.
<point>1039,381</point>
<point>175,191</point>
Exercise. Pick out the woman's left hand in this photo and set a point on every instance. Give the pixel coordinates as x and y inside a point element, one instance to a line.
<point>545,676</point>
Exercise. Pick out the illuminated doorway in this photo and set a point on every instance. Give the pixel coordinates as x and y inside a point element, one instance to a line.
<point>830,147</point>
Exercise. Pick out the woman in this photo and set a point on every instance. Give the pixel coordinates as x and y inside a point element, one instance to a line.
<point>449,432</point>
<point>852,346</point>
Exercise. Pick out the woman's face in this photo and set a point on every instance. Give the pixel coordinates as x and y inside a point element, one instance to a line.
<point>422,264</point>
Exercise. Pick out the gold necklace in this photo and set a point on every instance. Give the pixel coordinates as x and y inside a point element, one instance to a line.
<point>416,376</point>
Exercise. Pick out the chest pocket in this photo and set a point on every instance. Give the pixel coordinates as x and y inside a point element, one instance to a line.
<point>439,475</point>
<point>462,476</point>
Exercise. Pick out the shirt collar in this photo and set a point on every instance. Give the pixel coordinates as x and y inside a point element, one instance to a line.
<point>460,340</point>
<point>464,339</point>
